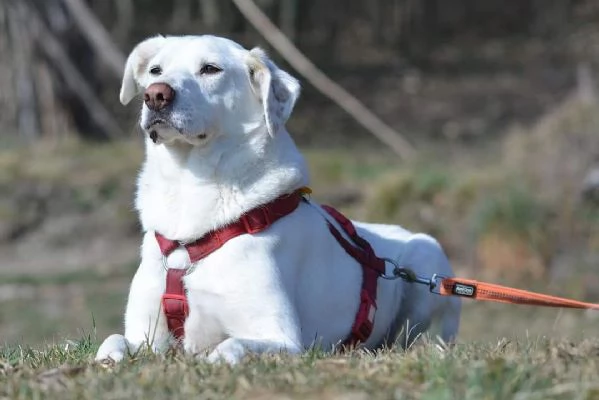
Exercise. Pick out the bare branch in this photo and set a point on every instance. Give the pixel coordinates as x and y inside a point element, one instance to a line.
<point>324,84</point>
<point>76,83</point>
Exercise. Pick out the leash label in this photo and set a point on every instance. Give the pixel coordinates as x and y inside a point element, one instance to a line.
<point>459,289</point>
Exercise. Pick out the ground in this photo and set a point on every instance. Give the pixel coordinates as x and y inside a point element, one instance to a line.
<point>535,368</point>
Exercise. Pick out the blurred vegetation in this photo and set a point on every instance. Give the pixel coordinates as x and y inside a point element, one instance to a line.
<point>499,98</point>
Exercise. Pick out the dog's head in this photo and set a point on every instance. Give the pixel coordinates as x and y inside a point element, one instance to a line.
<point>197,88</point>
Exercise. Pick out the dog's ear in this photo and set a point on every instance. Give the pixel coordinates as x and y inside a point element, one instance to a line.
<point>136,64</point>
<point>276,89</point>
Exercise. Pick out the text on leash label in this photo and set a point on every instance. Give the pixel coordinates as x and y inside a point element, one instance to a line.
<point>460,289</point>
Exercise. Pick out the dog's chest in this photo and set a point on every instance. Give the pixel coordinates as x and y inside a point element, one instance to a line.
<point>204,324</point>
<point>178,210</point>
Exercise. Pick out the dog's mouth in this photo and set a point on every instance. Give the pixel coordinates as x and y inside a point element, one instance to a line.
<point>158,124</point>
<point>157,121</point>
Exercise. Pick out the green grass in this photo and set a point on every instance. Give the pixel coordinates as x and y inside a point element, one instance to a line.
<point>531,369</point>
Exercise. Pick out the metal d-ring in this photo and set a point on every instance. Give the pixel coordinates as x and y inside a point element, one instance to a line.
<point>406,274</point>
<point>164,263</point>
<point>188,270</point>
<point>398,272</point>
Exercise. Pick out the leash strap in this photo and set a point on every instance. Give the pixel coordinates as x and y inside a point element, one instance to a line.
<point>484,291</point>
<point>502,294</point>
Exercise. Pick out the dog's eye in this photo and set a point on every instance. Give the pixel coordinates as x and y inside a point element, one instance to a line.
<point>209,69</point>
<point>156,70</point>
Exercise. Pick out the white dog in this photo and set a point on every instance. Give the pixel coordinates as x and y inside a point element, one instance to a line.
<point>217,147</point>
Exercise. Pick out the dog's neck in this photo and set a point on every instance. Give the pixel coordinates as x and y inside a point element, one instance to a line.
<point>186,191</point>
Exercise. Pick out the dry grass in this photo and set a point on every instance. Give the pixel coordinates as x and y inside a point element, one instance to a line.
<point>530,369</point>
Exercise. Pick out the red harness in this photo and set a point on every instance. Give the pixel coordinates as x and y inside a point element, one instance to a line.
<point>174,300</point>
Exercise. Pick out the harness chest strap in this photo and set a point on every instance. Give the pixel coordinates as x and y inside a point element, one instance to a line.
<point>174,300</point>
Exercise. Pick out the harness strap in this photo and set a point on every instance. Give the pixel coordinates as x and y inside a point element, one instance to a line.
<point>174,299</point>
<point>174,302</point>
<point>253,221</point>
<point>372,268</point>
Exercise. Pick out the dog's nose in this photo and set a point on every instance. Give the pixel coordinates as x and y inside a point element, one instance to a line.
<point>158,96</point>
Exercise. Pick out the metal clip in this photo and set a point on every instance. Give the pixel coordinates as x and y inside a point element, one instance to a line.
<point>408,275</point>
<point>435,283</point>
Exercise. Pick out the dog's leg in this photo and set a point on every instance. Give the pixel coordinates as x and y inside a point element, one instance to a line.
<point>259,318</point>
<point>233,350</point>
<point>114,348</point>
<point>201,334</point>
<point>450,322</point>
<point>145,325</point>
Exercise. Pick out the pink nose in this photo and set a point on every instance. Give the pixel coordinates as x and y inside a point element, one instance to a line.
<point>158,96</point>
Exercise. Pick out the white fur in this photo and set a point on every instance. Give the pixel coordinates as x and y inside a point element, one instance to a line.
<point>223,149</point>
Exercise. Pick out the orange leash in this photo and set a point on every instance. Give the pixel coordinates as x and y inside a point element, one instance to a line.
<point>503,294</point>
<point>484,291</point>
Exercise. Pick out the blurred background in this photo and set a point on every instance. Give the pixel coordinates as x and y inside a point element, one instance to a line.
<point>497,98</point>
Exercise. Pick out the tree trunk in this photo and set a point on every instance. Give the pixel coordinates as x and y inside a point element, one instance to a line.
<point>125,19</point>
<point>210,14</point>
<point>8,110</point>
<point>288,18</point>
<point>21,45</point>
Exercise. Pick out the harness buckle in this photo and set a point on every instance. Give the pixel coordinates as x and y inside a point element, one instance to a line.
<point>176,311</point>
<point>175,306</point>
<point>364,321</point>
<point>256,221</point>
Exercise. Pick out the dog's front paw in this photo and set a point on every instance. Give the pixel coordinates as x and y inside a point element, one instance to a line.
<point>113,348</point>
<point>230,351</point>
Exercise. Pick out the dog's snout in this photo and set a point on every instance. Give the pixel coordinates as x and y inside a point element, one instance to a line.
<point>158,96</point>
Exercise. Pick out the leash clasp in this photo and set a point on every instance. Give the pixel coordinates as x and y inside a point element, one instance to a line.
<point>397,272</point>
<point>434,283</point>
